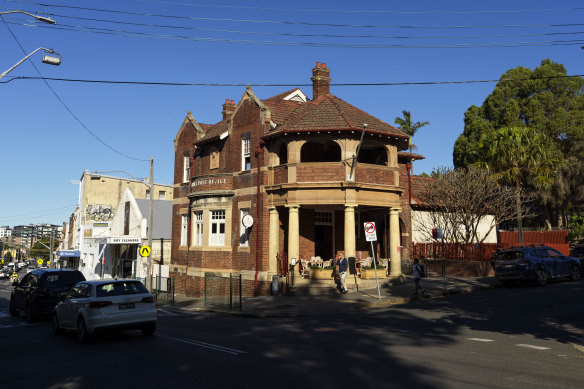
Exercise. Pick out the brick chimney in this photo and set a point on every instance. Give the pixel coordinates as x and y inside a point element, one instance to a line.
<point>320,80</point>
<point>228,108</point>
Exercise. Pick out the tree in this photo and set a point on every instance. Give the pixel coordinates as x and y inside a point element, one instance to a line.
<point>544,99</point>
<point>41,248</point>
<point>519,155</point>
<point>577,228</point>
<point>462,200</point>
<point>405,124</point>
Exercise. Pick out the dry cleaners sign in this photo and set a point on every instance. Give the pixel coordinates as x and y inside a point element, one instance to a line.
<point>123,240</point>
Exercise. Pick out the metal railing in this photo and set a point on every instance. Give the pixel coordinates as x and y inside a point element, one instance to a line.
<point>223,291</point>
<point>162,288</point>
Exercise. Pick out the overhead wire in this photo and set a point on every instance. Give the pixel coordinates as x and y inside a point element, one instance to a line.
<point>63,102</point>
<point>288,22</point>
<point>106,31</point>
<point>288,84</point>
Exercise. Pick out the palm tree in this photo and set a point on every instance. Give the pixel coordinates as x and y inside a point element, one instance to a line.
<point>405,124</point>
<point>519,155</point>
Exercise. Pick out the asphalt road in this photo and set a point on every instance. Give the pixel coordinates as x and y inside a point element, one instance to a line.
<point>502,338</point>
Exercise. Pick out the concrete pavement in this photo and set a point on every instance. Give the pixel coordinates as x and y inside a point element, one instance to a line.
<point>321,298</point>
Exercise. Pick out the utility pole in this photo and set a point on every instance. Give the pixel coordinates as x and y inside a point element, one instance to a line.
<point>150,215</point>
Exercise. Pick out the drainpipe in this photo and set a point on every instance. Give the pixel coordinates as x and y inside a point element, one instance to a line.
<point>409,168</point>
<point>259,154</point>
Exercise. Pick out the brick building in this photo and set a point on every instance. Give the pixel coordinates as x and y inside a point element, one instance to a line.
<point>287,161</point>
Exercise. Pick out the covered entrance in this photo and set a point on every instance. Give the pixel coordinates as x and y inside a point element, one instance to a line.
<point>324,235</point>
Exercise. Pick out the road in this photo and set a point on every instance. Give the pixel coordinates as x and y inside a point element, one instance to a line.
<point>502,338</point>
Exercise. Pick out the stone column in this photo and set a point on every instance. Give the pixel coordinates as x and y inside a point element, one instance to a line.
<point>293,232</point>
<point>395,270</point>
<point>349,231</point>
<point>273,240</point>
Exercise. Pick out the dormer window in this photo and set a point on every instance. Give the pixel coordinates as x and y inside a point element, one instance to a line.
<point>246,153</point>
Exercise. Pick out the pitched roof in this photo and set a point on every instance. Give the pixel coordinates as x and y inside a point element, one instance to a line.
<point>162,216</point>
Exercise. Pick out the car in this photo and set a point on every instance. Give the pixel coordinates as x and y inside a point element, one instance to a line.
<point>40,290</point>
<point>5,272</point>
<point>30,268</point>
<point>101,305</point>
<point>535,263</point>
<point>578,252</point>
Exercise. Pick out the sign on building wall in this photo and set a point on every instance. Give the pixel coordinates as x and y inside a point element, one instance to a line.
<point>123,240</point>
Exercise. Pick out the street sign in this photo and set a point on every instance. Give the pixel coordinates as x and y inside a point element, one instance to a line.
<point>145,251</point>
<point>40,261</point>
<point>370,233</point>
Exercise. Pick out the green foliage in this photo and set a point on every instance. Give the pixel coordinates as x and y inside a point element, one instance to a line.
<point>379,267</point>
<point>8,256</point>
<point>405,124</point>
<point>576,227</point>
<point>544,100</point>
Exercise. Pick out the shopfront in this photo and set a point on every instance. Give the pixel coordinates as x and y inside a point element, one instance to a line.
<point>124,256</point>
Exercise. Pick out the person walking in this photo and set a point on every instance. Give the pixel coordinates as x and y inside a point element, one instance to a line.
<point>342,266</point>
<point>419,272</point>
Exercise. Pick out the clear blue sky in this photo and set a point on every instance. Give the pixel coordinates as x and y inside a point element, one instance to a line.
<point>44,147</point>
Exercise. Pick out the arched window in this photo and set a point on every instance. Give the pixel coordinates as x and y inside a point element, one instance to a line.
<point>283,153</point>
<point>325,151</point>
<point>375,155</point>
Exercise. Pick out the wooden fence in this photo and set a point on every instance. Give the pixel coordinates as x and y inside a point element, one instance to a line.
<point>482,252</point>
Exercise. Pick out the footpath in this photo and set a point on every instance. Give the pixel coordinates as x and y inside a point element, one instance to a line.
<point>304,301</point>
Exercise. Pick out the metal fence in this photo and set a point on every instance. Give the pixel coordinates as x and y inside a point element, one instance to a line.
<point>162,288</point>
<point>223,291</point>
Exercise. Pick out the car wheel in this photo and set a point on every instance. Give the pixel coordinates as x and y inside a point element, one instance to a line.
<point>13,310</point>
<point>574,273</point>
<point>29,315</point>
<point>82,334</point>
<point>148,330</point>
<point>542,277</point>
<point>55,321</point>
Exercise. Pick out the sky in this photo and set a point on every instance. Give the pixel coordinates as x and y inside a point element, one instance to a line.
<point>53,130</point>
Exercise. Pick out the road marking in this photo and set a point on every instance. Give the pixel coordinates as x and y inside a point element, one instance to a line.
<point>164,312</point>
<point>481,340</point>
<point>203,344</point>
<point>533,347</point>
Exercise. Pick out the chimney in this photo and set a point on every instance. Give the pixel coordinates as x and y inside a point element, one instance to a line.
<point>228,108</point>
<point>320,80</point>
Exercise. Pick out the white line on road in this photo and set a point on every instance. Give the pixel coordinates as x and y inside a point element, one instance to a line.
<point>533,347</point>
<point>481,340</point>
<point>205,345</point>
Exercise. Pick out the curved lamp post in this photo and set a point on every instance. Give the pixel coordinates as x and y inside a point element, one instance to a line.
<point>37,17</point>
<point>48,59</point>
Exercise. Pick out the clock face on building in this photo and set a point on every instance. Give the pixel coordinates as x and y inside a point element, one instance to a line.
<point>247,221</point>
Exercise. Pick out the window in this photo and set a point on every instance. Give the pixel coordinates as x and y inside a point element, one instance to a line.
<point>244,232</point>
<point>186,167</point>
<point>183,229</point>
<point>246,153</point>
<point>162,195</point>
<point>217,237</point>
<point>198,229</point>
<point>323,218</point>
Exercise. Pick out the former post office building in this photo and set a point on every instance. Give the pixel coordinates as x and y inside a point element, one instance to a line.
<point>288,162</point>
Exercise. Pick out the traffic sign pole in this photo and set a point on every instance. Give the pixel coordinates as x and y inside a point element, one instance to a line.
<point>371,236</point>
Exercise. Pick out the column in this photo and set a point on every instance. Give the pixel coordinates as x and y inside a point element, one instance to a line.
<point>293,232</point>
<point>273,240</point>
<point>395,270</point>
<point>349,231</point>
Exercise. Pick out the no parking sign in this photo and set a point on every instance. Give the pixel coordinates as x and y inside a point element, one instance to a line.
<point>370,232</point>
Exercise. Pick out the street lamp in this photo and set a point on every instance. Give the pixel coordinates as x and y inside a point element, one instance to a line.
<point>37,17</point>
<point>48,59</point>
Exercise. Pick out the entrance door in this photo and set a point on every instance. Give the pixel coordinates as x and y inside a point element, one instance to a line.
<point>323,242</point>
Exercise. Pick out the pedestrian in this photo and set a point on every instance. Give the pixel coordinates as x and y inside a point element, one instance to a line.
<point>342,265</point>
<point>418,273</point>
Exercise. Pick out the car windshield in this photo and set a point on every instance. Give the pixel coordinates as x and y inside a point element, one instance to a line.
<point>120,288</point>
<point>509,256</point>
<point>62,279</point>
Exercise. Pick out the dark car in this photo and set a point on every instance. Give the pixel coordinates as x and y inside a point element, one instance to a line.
<point>40,290</point>
<point>578,252</point>
<point>535,263</point>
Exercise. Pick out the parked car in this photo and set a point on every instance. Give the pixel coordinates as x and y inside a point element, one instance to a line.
<point>536,263</point>
<point>578,252</point>
<point>100,305</point>
<point>40,290</point>
<point>5,272</point>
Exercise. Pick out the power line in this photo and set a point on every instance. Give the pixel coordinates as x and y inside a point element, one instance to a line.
<point>64,104</point>
<point>60,16</point>
<point>288,85</point>
<point>287,22</point>
<point>105,31</point>
<point>360,11</point>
